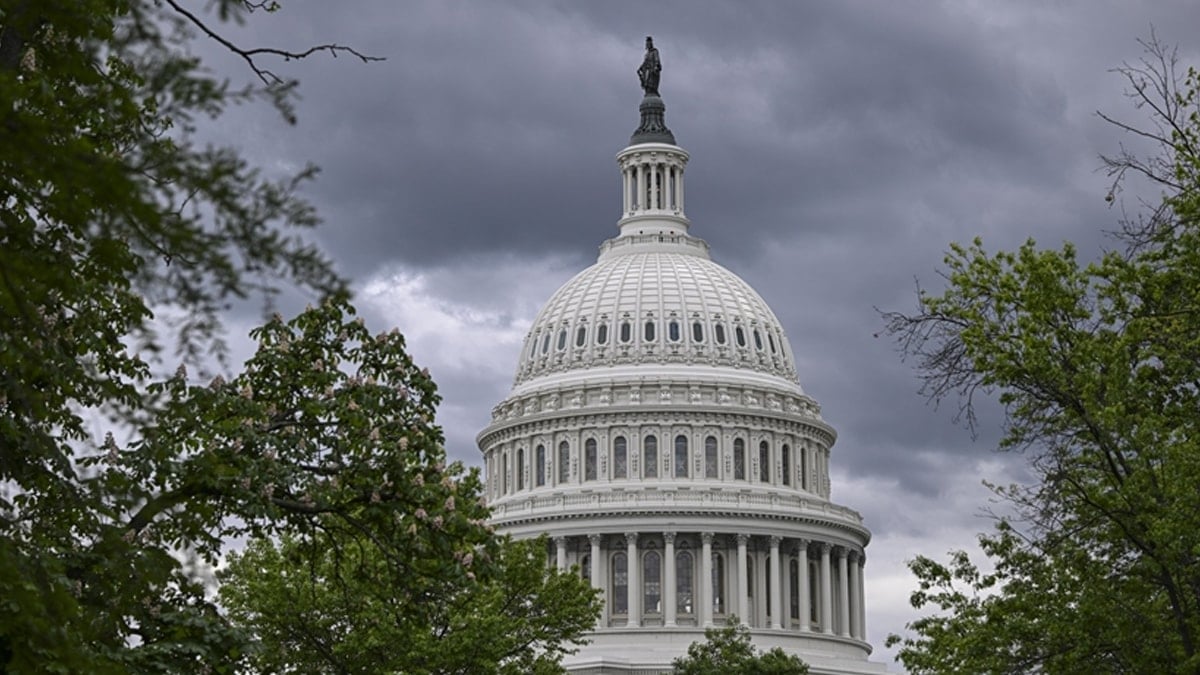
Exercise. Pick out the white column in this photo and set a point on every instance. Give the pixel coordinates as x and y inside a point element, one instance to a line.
<point>706,572</point>
<point>634,590</point>
<point>826,588</point>
<point>630,187</point>
<point>843,593</point>
<point>668,185</point>
<point>594,540</point>
<point>560,553</point>
<point>641,187</point>
<point>854,595</point>
<point>743,600</point>
<point>786,588</point>
<point>862,596</point>
<point>669,579</point>
<point>776,585</point>
<point>802,579</point>
<point>679,190</point>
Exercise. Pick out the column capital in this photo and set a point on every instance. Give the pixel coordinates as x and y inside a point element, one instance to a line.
<point>742,538</point>
<point>825,547</point>
<point>853,555</point>
<point>706,538</point>
<point>842,551</point>
<point>668,537</point>
<point>801,545</point>
<point>776,540</point>
<point>594,539</point>
<point>631,538</point>
<point>560,540</point>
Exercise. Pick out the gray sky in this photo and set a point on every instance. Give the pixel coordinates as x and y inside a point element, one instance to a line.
<point>837,148</point>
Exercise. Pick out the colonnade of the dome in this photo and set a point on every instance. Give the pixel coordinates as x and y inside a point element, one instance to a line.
<point>670,579</point>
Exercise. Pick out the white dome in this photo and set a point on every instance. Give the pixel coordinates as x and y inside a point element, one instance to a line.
<point>654,300</point>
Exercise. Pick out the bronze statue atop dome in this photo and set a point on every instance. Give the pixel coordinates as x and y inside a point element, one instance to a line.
<point>650,69</point>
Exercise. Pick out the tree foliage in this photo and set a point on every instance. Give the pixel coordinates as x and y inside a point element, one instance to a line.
<point>1096,364</point>
<point>110,210</point>
<point>320,605</point>
<point>727,651</point>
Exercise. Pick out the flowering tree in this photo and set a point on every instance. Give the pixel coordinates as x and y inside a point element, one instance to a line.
<point>386,563</point>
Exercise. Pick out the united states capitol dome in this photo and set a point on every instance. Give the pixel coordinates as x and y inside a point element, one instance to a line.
<point>657,434</point>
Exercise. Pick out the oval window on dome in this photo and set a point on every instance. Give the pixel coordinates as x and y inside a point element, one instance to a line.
<point>562,339</point>
<point>673,331</point>
<point>757,340</point>
<point>697,331</point>
<point>649,333</point>
<point>626,332</point>
<point>602,334</point>
<point>740,335</point>
<point>581,336</point>
<point>719,332</point>
<point>546,343</point>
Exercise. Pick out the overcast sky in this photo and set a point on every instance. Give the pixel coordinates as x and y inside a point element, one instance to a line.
<point>837,148</point>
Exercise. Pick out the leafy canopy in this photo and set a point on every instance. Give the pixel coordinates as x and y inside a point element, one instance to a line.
<point>1096,363</point>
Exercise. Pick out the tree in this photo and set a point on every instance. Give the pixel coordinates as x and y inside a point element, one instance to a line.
<point>327,606</point>
<point>727,651</point>
<point>110,211</point>
<point>1099,569</point>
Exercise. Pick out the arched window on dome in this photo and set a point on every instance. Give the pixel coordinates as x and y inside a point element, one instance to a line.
<point>619,585</point>
<point>764,462</point>
<point>650,457</point>
<point>564,462</point>
<point>626,331</point>
<point>546,342</point>
<point>673,331</point>
<point>711,459</point>
<point>652,583</point>
<point>739,459</point>
<point>581,336</point>
<point>562,339</point>
<point>685,573</point>
<point>602,334</point>
<point>520,468</point>
<point>803,468</point>
<point>540,458</point>
<point>620,458</point>
<point>719,606</point>
<point>740,335</point>
<point>757,340</point>
<point>697,331</point>
<point>719,333</point>
<point>681,456</point>
<point>589,459</point>
<point>785,453</point>
<point>648,334</point>
<point>771,342</point>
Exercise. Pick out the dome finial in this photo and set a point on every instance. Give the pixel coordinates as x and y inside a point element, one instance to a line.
<point>653,128</point>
